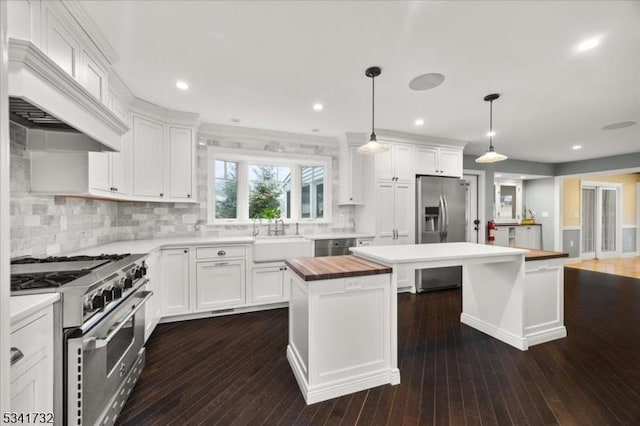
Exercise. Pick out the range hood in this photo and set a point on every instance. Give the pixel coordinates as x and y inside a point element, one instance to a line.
<point>59,113</point>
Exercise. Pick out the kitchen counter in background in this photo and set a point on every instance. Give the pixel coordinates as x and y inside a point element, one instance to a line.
<point>150,245</point>
<point>543,255</point>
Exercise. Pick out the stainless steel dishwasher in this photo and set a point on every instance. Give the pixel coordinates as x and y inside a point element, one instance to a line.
<point>334,247</point>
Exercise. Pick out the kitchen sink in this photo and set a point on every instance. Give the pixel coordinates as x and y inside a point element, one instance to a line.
<point>274,249</point>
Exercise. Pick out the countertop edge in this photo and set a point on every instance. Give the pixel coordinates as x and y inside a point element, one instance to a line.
<point>22,307</point>
<point>337,275</point>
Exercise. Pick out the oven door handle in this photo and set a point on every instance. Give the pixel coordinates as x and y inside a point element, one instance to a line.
<point>100,342</point>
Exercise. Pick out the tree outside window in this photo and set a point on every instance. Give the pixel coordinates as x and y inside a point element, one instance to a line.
<point>269,189</point>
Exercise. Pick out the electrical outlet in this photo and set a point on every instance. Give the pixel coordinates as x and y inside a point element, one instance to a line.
<point>576,215</point>
<point>571,243</point>
<point>351,285</point>
<point>544,214</point>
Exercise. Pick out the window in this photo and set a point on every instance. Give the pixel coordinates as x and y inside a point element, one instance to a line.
<point>245,187</point>
<point>226,184</point>
<point>312,192</point>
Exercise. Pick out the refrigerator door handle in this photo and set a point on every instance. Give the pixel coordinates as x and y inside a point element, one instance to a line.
<point>440,218</point>
<point>446,217</point>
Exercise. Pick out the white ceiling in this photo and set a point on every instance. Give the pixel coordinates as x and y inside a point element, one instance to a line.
<point>266,63</point>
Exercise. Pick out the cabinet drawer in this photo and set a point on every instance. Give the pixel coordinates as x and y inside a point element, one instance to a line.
<point>220,252</point>
<point>30,337</point>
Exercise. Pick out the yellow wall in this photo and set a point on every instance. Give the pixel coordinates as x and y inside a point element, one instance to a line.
<point>571,197</point>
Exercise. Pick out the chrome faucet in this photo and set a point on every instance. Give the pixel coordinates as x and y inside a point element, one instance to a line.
<point>256,230</point>
<point>276,230</point>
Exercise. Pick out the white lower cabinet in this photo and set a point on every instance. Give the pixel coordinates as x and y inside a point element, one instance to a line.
<point>153,307</point>
<point>267,284</point>
<point>174,268</point>
<point>32,363</point>
<point>523,236</point>
<point>220,284</point>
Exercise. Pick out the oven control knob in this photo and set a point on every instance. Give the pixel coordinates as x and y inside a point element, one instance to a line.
<point>128,282</point>
<point>117,292</point>
<point>98,301</point>
<point>138,273</point>
<point>144,268</point>
<point>108,295</point>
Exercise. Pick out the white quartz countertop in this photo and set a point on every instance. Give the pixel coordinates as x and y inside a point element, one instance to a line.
<point>23,306</point>
<point>153,244</point>
<point>335,236</point>
<point>425,252</point>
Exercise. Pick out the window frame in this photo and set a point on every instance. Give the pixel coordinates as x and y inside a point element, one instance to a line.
<point>246,157</point>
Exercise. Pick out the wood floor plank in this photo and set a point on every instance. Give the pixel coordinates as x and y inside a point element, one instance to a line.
<point>233,370</point>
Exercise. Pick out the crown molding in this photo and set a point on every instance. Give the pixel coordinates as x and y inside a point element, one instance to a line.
<point>416,139</point>
<point>249,134</point>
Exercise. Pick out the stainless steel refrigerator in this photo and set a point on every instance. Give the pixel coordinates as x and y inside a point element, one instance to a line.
<point>441,204</point>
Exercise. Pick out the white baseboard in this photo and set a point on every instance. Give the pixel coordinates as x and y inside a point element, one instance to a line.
<point>493,331</point>
<point>343,387</point>
<point>222,312</point>
<point>546,335</point>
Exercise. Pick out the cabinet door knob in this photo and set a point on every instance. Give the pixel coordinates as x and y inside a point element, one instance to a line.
<point>162,194</point>
<point>188,195</point>
<point>186,251</point>
<point>221,252</point>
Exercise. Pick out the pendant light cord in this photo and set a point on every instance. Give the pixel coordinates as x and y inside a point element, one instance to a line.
<point>373,104</point>
<point>491,125</point>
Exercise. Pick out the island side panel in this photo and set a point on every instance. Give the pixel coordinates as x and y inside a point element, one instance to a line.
<point>298,350</point>
<point>493,291</point>
<point>544,296</point>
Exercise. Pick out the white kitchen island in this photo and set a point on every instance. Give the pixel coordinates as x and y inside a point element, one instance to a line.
<point>494,286</point>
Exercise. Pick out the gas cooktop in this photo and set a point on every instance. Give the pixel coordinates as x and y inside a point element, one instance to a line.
<point>52,272</point>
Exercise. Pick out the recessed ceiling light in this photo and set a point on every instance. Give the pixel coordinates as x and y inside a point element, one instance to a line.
<point>419,122</point>
<point>202,143</point>
<point>588,44</point>
<point>576,147</point>
<point>426,81</point>
<point>315,130</point>
<point>318,106</point>
<point>620,125</point>
<point>498,175</point>
<point>235,120</point>
<point>182,85</point>
<point>491,134</point>
<point>523,177</point>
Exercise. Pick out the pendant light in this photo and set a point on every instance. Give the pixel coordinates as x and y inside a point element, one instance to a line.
<point>491,156</point>
<point>373,146</point>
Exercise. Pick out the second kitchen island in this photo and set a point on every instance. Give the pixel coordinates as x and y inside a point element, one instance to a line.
<point>500,296</point>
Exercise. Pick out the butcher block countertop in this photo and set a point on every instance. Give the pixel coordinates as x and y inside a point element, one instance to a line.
<point>543,255</point>
<point>331,267</point>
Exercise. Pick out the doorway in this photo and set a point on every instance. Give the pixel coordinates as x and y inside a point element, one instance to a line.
<point>471,209</point>
<point>600,227</point>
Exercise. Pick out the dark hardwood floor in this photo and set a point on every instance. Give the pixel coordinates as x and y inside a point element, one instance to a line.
<point>233,371</point>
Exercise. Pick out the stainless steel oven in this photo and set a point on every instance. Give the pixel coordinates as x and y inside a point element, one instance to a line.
<point>99,351</point>
<point>102,360</point>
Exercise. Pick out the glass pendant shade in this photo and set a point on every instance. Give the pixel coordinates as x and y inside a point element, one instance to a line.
<point>491,156</point>
<point>372,147</point>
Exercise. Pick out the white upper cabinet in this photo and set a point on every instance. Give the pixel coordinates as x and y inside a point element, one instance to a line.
<point>350,175</point>
<point>61,45</point>
<point>93,76</point>
<point>148,143</point>
<point>180,162</point>
<point>438,161</point>
<point>395,164</point>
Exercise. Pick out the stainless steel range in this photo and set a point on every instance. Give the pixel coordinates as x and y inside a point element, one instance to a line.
<point>100,341</point>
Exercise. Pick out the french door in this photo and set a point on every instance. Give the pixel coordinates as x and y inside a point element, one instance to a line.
<point>600,227</point>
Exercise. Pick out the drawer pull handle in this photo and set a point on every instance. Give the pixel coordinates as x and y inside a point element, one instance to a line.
<point>16,355</point>
<point>222,263</point>
<point>221,252</point>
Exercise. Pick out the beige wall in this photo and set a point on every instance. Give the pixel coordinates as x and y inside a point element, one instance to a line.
<point>571,197</point>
